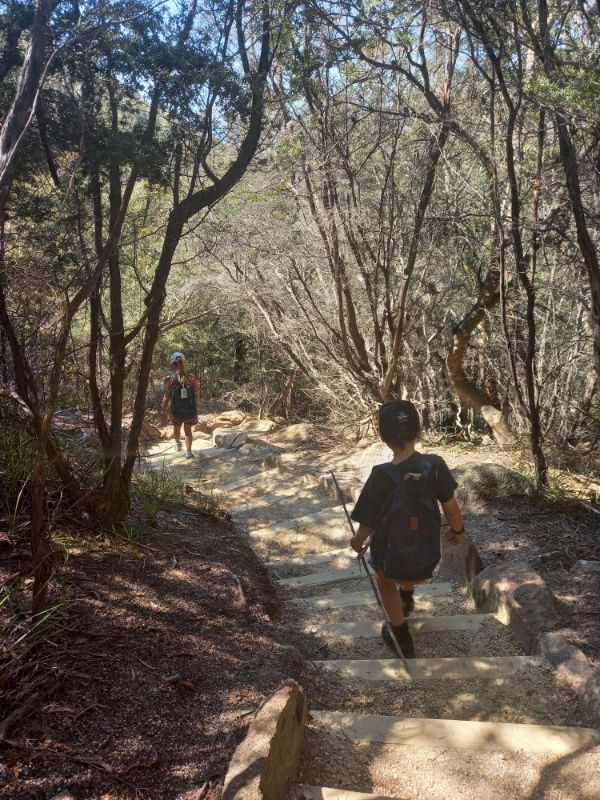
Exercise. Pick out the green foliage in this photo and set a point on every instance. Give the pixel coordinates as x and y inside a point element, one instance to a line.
<point>23,635</point>
<point>152,486</point>
<point>592,424</point>
<point>562,491</point>
<point>16,457</point>
<point>574,89</point>
<point>212,505</point>
<point>159,483</point>
<point>22,632</point>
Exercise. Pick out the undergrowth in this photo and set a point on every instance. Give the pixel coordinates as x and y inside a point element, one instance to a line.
<point>151,487</point>
<point>25,655</point>
<point>16,458</point>
<point>564,490</point>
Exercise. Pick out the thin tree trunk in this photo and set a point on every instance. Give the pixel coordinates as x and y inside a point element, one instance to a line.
<point>470,394</point>
<point>282,402</point>
<point>436,146</point>
<point>568,157</point>
<point>22,108</point>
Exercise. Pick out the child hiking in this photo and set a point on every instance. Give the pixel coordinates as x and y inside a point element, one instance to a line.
<point>398,506</point>
<point>182,394</point>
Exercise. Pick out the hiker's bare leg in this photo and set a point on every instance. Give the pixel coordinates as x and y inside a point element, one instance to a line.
<point>177,431</point>
<point>187,430</point>
<point>390,598</point>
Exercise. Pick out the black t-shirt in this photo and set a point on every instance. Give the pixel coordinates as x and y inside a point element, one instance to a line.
<point>379,486</point>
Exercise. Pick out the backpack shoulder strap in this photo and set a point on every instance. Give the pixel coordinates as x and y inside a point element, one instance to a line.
<point>426,467</point>
<point>392,472</point>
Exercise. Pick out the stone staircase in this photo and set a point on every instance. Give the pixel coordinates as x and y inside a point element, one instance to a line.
<point>471,718</point>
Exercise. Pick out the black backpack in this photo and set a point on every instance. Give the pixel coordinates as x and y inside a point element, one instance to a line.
<point>406,540</point>
<point>183,402</point>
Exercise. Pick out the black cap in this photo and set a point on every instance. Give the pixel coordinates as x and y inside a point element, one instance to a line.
<point>398,419</point>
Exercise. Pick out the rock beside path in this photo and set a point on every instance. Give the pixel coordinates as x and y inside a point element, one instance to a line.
<point>571,664</point>
<point>228,439</point>
<point>267,760</point>
<point>591,698</point>
<point>519,596</point>
<point>207,423</point>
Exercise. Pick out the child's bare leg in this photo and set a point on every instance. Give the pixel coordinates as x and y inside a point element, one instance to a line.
<point>390,598</point>
<point>393,605</point>
<point>408,586</point>
<point>406,595</point>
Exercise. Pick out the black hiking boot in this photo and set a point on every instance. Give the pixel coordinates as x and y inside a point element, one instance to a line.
<point>403,638</point>
<point>408,600</point>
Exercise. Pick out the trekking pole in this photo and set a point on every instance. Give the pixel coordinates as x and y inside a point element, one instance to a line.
<point>362,561</point>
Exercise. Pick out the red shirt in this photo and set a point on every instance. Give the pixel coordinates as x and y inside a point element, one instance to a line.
<point>172,378</point>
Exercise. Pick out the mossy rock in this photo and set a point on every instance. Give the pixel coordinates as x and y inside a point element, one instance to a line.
<point>491,482</point>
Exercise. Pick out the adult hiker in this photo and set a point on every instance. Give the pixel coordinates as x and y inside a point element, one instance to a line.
<point>182,395</point>
<point>399,506</point>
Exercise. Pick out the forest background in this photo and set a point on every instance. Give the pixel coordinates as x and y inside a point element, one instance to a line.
<point>324,205</point>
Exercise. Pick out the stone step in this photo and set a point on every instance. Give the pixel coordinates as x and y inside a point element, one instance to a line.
<point>321,578</point>
<point>366,598</point>
<point>282,495</point>
<point>372,630</point>
<point>258,476</point>
<point>301,791</point>
<point>333,516</point>
<point>312,559</point>
<point>417,669</point>
<point>457,734</point>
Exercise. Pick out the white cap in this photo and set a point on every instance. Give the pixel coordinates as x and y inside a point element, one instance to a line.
<point>175,356</point>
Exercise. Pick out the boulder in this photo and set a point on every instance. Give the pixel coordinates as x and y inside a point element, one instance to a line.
<point>519,596</point>
<point>230,419</point>
<point>572,666</point>
<point>591,698</point>
<point>350,487</point>
<point>203,424</point>
<point>207,423</point>
<point>150,432</point>
<point>585,569</point>
<point>265,764</point>
<point>459,562</point>
<point>258,425</point>
<point>228,439</point>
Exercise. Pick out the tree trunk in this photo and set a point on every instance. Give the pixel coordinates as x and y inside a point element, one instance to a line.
<point>586,244</point>
<point>478,399</point>
<point>437,143</point>
<point>470,394</point>
<point>282,402</point>
<point>21,111</point>
<point>41,553</point>
<point>118,489</point>
<point>568,157</point>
